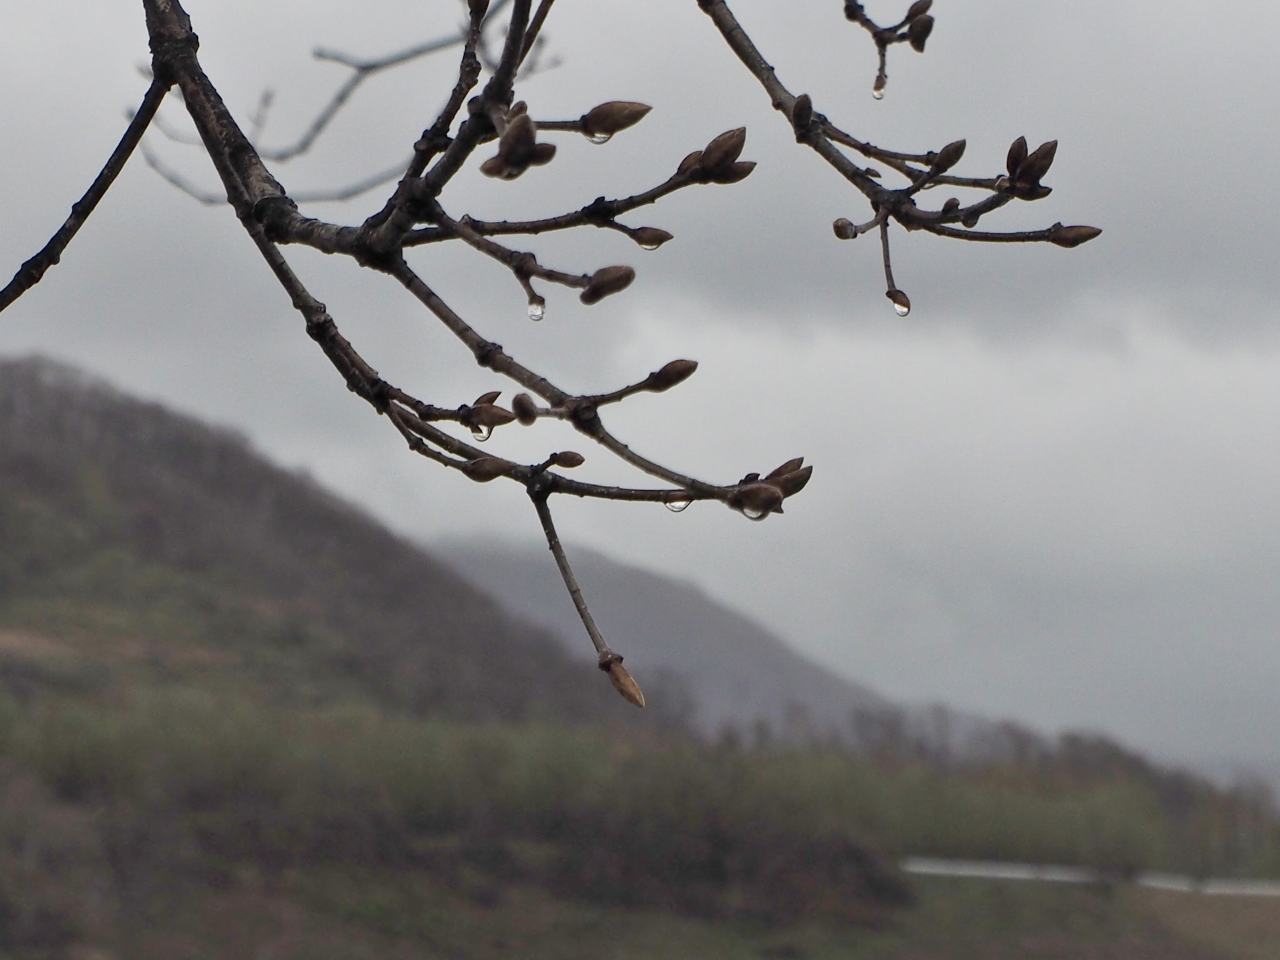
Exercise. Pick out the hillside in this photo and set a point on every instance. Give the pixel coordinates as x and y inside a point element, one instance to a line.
<point>139,539</point>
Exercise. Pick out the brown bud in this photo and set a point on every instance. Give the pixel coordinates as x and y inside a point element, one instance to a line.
<point>525,409</point>
<point>723,150</point>
<point>1036,191</point>
<point>568,459</point>
<point>1017,154</point>
<point>670,374</point>
<point>690,163</point>
<point>488,415</point>
<point>918,32</point>
<point>496,166</point>
<point>484,469</point>
<point>1038,162</point>
<point>795,463</point>
<point>622,680</point>
<point>516,109</point>
<point>970,220</point>
<point>755,501</point>
<point>844,228</point>
<point>793,481</point>
<point>606,281</point>
<point>918,9</point>
<point>608,118</point>
<point>517,141</point>
<point>1072,236</point>
<point>739,170</point>
<point>490,397</point>
<point>948,156</point>
<point>951,206</point>
<point>542,154</point>
<point>901,302</point>
<point>651,238</point>
<point>802,113</point>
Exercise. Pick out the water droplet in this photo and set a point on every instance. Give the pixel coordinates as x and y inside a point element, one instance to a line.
<point>878,93</point>
<point>650,246</point>
<point>481,433</point>
<point>901,309</point>
<point>677,506</point>
<point>754,513</point>
<point>599,137</point>
<point>537,309</point>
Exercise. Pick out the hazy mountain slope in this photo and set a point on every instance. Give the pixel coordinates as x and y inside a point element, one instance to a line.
<point>735,670</point>
<point>142,537</point>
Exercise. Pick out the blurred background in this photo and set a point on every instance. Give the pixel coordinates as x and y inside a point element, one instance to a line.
<point>274,687</point>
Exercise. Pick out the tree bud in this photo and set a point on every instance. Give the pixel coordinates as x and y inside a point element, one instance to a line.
<point>609,118</point>
<point>795,463</point>
<point>1072,236</point>
<point>1038,163</point>
<point>606,281</point>
<point>490,397</point>
<point>670,374</point>
<point>918,32</point>
<point>525,409</point>
<point>948,156</point>
<point>484,469</point>
<point>792,482</point>
<point>650,237</point>
<point>568,459</point>
<point>844,228</point>
<point>1017,154</point>
<point>802,113</point>
<point>951,206</point>
<point>723,150</point>
<point>690,162</point>
<point>622,680</point>
<point>489,415</point>
<point>755,501</point>
<point>918,9</point>
<point>739,170</point>
<point>901,302</point>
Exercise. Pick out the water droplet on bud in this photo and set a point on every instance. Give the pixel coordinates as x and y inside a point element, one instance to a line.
<point>901,309</point>
<point>878,93</point>
<point>650,246</point>
<point>754,513</point>
<point>677,506</point>
<point>481,433</point>
<point>599,137</point>
<point>537,309</point>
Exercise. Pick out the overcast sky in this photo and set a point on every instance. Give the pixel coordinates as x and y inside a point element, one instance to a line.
<point>1049,493</point>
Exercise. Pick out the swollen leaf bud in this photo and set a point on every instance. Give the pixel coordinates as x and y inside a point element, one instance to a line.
<point>1017,154</point>
<point>918,9</point>
<point>795,463</point>
<point>606,281</point>
<point>918,32</point>
<point>1072,236</point>
<point>622,680</point>
<point>802,113</point>
<point>490,397</point>
<point>948,156</point>
<point>755,501</point>
<point>670,374</point>
<point>739,170</point>
<point>525,409</point>
<point>844,228</point>
<point>723,150</point>
<point>609,118</point>
<point>690,163</point>
<point>651,238</point>
<point>901,302</point>
<point>793,481</point>
<point>1037,164</point>
<point>951,206</point>
<point>484,469</point>
<point>568,459</point>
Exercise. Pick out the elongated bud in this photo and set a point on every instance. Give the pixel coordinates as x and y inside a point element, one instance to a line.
<point>525,409</point>
<point>802,113</point>
<point>691,162</point>
<point>844,228</point>
<point>490,397</point>
<point>568,459</point>
<point>670,374</point>
<point>918,9</point>
<point>948,156</point>
<point>793,481</point>
<point>620,677</point>
<point>651,238</point>
<point>484,469</point>
<point>606,281</point>
<point>738,170</point>
<point>1017,154</point>
<point>918,32</point>
<point>1038,163</point>
<point>609,118</point>
<point>1072,236</point>
<point>795,463</point>
<point>723,150</point>
<point>489,415</point>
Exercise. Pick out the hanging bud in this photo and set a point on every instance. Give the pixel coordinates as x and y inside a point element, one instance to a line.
<point>1017,154</point>
<point>901,302</point>
<point>1037,163</point>
<point>609,118</point>
<point>735,172</point>
<point>670,374</point>
<point>918,32</point>
<point>844,228</point>
<point>484,469</point>
<point>606,281</point>
<point>621,679</point>
<point>802,114</point>
<point>755,501</point>
<point>723,150</point>
<point>568,459</point>
<point>918,9</point>
<point>525,409</point>
<point>1072,236</point>
<point>650,238</point>
<point>690,163</point>
<point>948,157</point>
